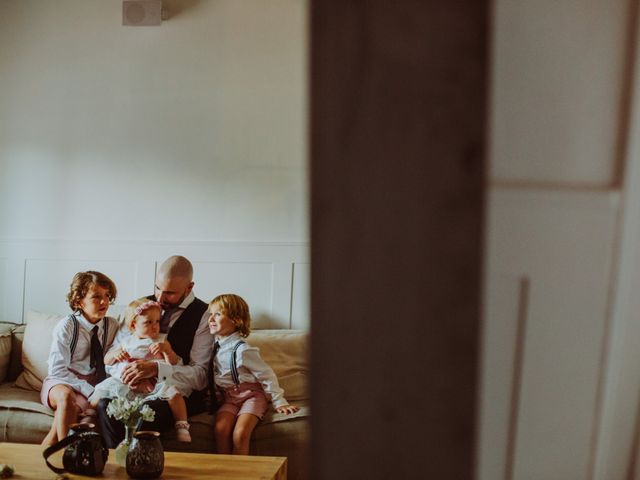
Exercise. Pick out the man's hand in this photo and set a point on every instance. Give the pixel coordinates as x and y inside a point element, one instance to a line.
<point>139,370</point>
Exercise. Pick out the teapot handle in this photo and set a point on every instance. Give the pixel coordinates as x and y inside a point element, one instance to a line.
<point>66,441</point>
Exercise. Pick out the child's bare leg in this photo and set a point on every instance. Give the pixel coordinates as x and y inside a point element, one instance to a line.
<point>51,437</point>
<point>178,407</point>
<point>87,411</point>
<point>179,410</point>
<point>225,421</point>
<point>62,398</point>
<point>242,433</point>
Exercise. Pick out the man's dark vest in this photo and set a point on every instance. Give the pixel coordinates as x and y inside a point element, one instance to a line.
<point>181,335</point>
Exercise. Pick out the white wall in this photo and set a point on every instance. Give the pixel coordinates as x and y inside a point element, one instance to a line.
<point>193,130</point>
<point>122,145</point>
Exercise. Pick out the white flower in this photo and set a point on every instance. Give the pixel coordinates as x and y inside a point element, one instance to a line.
<point>130,412</point>
<point>147,413</point>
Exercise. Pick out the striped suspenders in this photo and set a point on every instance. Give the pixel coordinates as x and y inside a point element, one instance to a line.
<point>74,335</point>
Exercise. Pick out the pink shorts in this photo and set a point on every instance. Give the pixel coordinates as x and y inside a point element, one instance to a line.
<point>245,398</point>
<point>49,383</point>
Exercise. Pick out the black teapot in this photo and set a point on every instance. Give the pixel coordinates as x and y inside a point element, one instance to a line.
<point>85,454</point>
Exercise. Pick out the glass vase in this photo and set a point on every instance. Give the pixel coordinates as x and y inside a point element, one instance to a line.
<point>123,447</point>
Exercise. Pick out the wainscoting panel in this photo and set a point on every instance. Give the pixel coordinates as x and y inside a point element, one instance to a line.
<point>37,273</point>
<point>47,282</point>
<point>300,316</point>
<point>563,243</point>
<point>252,281</point>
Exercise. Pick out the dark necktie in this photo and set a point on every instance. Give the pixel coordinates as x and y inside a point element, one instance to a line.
<point>213,399</point>
<point>166,318</point>
<point>97,356</point>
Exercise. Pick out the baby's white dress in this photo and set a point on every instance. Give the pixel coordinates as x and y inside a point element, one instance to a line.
<point>138,349</point>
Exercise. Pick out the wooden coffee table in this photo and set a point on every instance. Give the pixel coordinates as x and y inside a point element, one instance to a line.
<point>29,463</point>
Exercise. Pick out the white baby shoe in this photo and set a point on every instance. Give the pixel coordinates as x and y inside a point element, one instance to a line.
<point>182,431</point>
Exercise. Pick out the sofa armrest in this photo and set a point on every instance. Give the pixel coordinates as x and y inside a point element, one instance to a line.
<point>5,348</point>
<point>15,362</point>
<point>15,366</point>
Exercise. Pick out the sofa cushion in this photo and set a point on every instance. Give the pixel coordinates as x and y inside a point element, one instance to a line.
<point>5,348</point>
<point>23,419</point>
<point>286,352</point>
<point>36,345</point>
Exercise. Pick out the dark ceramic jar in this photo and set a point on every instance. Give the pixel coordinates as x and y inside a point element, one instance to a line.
<point>146,457</point>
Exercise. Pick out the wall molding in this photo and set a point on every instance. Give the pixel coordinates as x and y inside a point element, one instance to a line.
<point>39,270</point>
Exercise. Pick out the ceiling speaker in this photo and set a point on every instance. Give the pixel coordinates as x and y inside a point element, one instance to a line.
<point>141,12</point>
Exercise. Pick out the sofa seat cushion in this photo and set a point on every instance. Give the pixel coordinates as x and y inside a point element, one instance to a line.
<point>23,419</point>
<point>18,398</point>
<point>272,426</point>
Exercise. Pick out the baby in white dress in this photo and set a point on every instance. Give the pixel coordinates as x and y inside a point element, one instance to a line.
<point>143,341</point>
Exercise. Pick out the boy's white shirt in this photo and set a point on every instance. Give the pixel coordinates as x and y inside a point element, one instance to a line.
<point>60,360</point>
<point>251,368</point>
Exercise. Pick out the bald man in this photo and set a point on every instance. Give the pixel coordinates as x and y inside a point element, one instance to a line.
<point>185,318</point>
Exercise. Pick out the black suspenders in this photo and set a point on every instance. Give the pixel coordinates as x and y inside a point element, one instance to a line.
<point>74,335</point>
<point>76,327</point>
<point>234,363</point>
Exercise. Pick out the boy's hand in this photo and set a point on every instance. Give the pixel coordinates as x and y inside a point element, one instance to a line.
<point>287,409</point>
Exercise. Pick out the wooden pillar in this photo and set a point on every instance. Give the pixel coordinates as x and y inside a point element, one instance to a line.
<point>398,127</point>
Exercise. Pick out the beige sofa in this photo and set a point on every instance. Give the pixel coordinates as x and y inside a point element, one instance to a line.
<point>23,419</point>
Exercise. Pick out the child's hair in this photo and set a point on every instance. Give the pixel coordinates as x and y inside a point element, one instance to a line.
<point>81,283</point>
<point>138,307</point>
<point>236,309</point>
